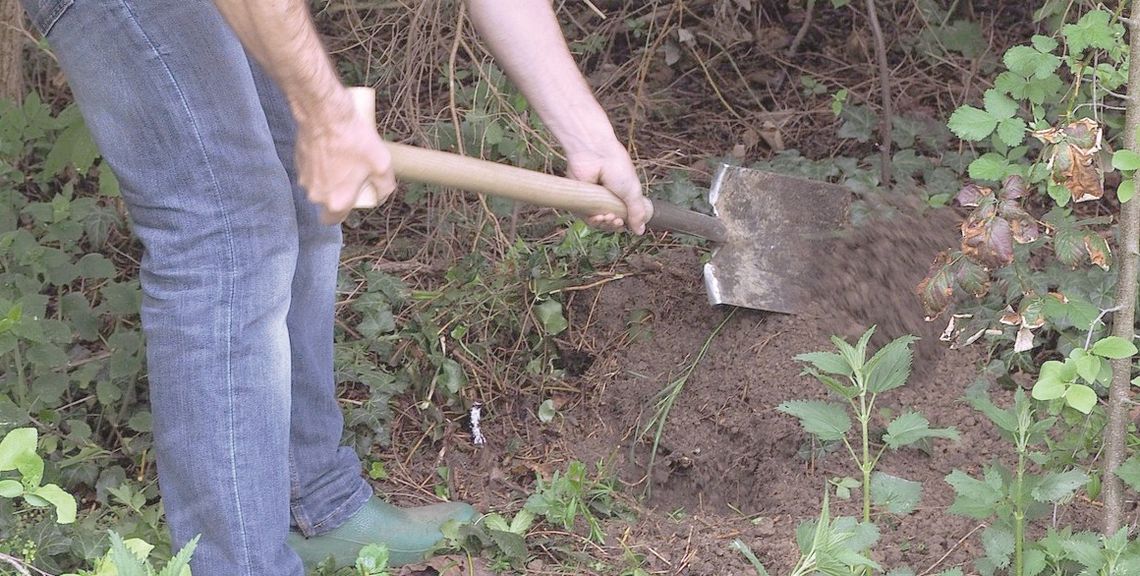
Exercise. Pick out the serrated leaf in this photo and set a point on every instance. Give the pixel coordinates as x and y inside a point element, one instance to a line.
<point>1081,398</point>
<point>998,542</point>
<point>825,420</point>
<point>973,498</point>
<point>989,166</point>
<point>1129,472</point>
<point>829,362</point>
<point>896,495</point>
<point>1057,486</point>
<point>1114,347</point>
<point>1004,419</point>
<point>1091,31</point>
<point>987,239</point>
<point>1044,43</point>
<point>125,560</point>
<point>1029,62</point>
<point>936,290</point>
<point>999,105</point>
<point>179,565</point>
<point>910,427</point>
<point>889,368</point>
<point>969,123</point>
<point>1068,246</point>
<point>1012,131</point>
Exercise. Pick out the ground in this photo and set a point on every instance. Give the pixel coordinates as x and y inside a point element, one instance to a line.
<point>729,465</point>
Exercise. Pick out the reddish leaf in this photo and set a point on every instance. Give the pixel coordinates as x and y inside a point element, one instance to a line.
<point>1074,159</point>
<point>937,289</point>
<point>1021,223</point>
<point>1013,188</point>
<point>972,278</point>
<point>1010,317</point>
<point>1068,245</point>
<point>1098,251</point>
<point>987,239</point>
<point>971,195</point>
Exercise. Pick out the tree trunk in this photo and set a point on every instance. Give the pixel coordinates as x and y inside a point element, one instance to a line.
<point>12,40</point>
<point>1123,324</point>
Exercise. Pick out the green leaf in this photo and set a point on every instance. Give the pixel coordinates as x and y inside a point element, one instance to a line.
<point>998,542</point>
<point>999,105</point>
<point>889,368</point>
<point>11,488</point>
<point>829,362</point>
<point>969,123</point>
<point>1129,472</point>
<point>546,411</point>
<point>1028,62</point>
<point>1012,131</point>
<point>989,166</point>
<point>550,317</point>
<point>1126,190</point>
<point>179,565</point>
<point>1052,381</point>
<point>451,375</point>
<point>1088,367</point>
<point>896,495</point>
<point>1004,419</point>
<point>1044,43</point>
<point>826,420</point>
<point>1114,347</point>
<point>974,498</point>
<point>372,560</point>
<point>1081,398</point>
<point>65,507</point>
<point>1091,31</point>
<point>738,545</point>
<point>910,427</point>
<point>1125,159</point>
<point>126,561</point>
<point>15,446</point>
<point>95,266</point>
<point>1057,486</point>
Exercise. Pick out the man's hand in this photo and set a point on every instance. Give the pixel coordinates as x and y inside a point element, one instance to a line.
<point>609,164</point>
<point>338,153</point>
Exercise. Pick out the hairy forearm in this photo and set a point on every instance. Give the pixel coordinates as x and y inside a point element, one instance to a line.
<point>527,43</point>
<point>281,37</point>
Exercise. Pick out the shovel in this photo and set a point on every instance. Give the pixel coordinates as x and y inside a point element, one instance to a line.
<point>767,226</point>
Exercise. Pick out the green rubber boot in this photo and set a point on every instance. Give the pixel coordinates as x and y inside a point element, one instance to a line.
<point>409,533</point>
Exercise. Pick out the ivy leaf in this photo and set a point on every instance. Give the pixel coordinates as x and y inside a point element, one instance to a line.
<point>896,495</point>
<point>969,123</point>
<point>827,421</point>
<point>1114,347</point>
<point>1091,31</point>
<point>550,317</point>
<point>910,427</point>
<point>1057,486</point>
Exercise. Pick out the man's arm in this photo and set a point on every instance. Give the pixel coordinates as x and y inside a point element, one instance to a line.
<point>337,151</point>
<point>527,43</point>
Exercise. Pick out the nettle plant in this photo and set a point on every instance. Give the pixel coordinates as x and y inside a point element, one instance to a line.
<point>859,380</point>
<point>1047,129</point>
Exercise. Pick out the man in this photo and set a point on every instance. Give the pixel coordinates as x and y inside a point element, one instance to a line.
<point>239,264</point>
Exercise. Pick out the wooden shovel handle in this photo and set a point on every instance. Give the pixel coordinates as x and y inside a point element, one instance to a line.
<point>454,171</point>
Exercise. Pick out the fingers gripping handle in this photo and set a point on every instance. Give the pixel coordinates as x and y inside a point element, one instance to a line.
<point>364,100</point>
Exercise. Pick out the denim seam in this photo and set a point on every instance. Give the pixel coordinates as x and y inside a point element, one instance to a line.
<point>300,516</point>
<point>320,526</point>
<point>229,240</point>
<point>46,24</point>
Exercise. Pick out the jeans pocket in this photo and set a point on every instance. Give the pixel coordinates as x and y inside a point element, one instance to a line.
<point>45,13</point>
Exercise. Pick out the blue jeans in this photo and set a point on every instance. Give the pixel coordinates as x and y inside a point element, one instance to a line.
<point>238,277</point>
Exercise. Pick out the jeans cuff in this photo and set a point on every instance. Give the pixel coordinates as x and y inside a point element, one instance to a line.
<point>337,517</point>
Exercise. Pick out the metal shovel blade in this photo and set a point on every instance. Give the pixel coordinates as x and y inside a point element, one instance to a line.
<point>777,225</point>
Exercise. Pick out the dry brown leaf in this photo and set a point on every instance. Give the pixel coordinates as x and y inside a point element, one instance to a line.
<point>1011,317</point>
